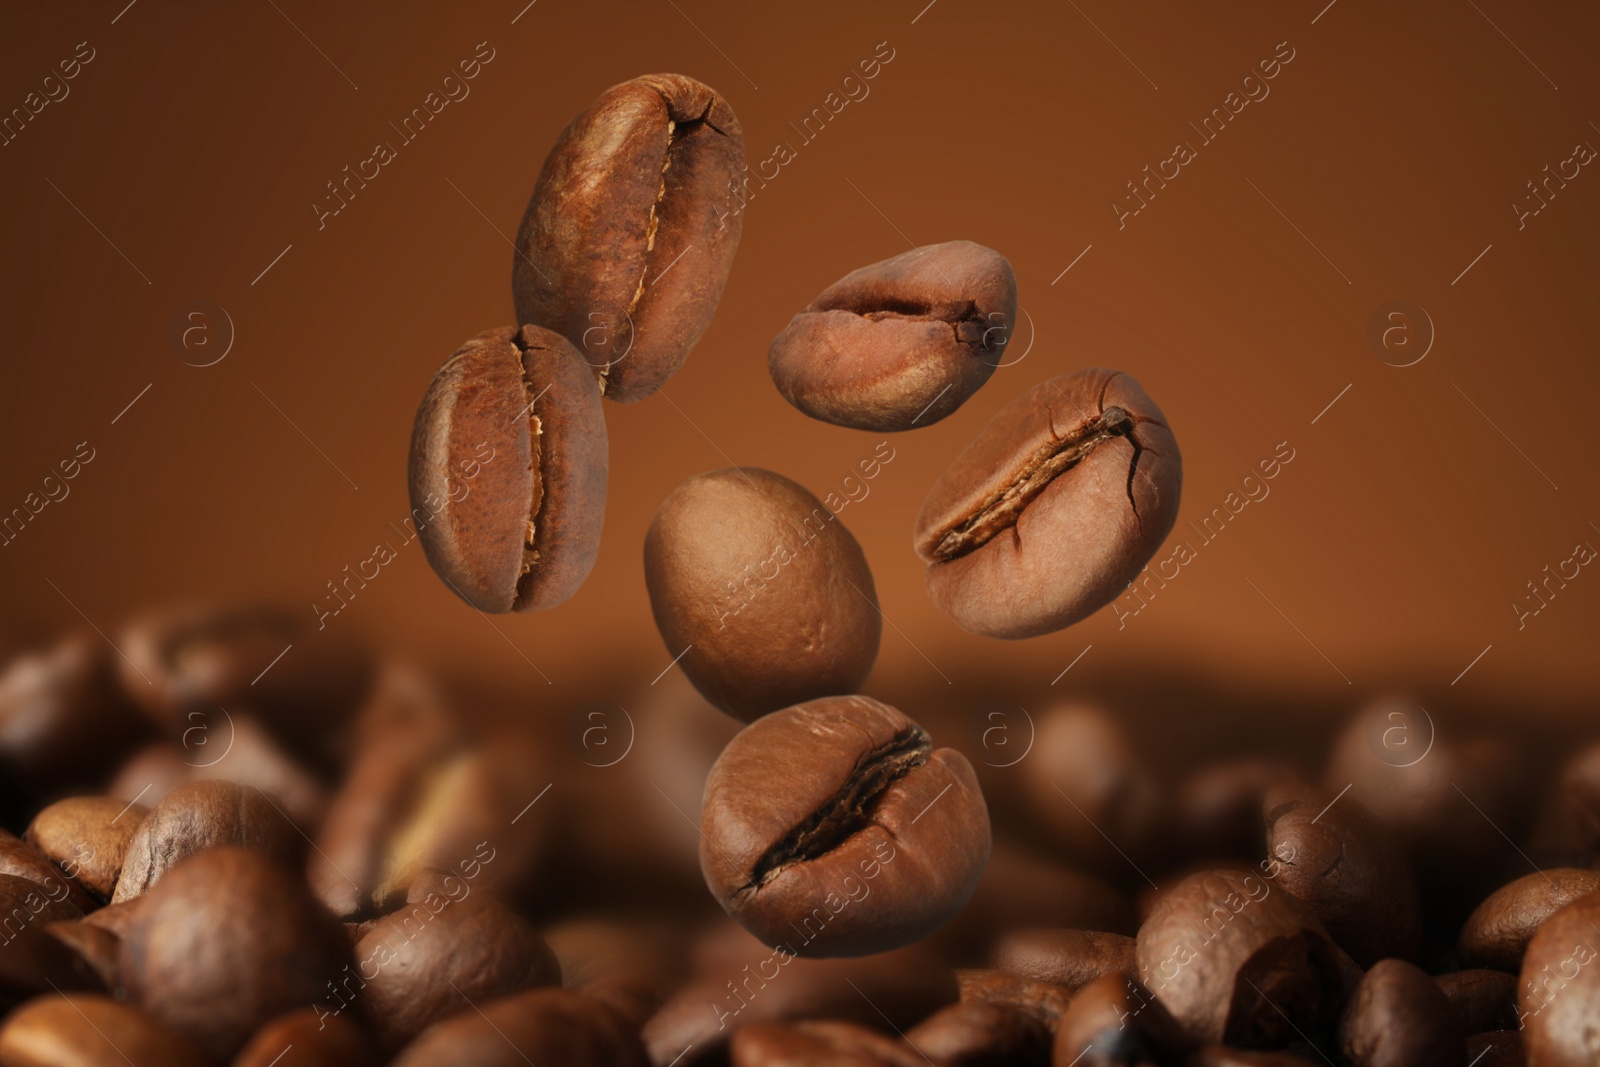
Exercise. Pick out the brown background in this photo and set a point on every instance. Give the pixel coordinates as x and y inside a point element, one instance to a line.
<point>1396,140</point>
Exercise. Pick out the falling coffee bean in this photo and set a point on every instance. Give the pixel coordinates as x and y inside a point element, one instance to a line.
<point>508,470</point>
<point>1053,509</point>
<point>901,343</point>
<point>630,233</point>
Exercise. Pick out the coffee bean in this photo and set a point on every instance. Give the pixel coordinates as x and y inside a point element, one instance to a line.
<point>1496,1048</point>
<point>901,343</point>
<point>761,590</point>
<point>1579,794</point>
<point>541,1026</point>
<point>1236,959</point>
<point>1115,1022</point>
<point>305,1038</point>
<point>24,903</point>
<point>85,1030</point>
<point>1558,998</point>
<point>1217,808</point>
<point>35,964</point>
<point>633,998</point>
<point>150,774</point>
<point>94,945</point>
<point>1068,958</point>
<point>1497,933</point>
<point>1347,869</point>
<point>1223,1056</point>
<point>87,838</point>
<point>445,949</point>
<point>828,829</point>
<point>1044,1001</point>
<point>977,1033</point>
<point>1053,509</point>
<point>597,949</point>
<point>508,470</point>
<point>814,1043</point>
<point>255,760</point>
<point>1399,1018</point>
<point>629,236</point>
<point>21,860</point>
<point>225,942</point>
<point>200,816</point>
<point>1482,999</point>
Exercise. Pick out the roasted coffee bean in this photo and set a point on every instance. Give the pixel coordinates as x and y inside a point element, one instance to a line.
<point>200,816</point>
<point>508,470</point>
<point>1497,933</point>
<point>1347,869</point>
<point>630,233</point>
<point>96,946</point>
<point>1398,1017</point>
<point>596,949</point>
<point>818,1044</point>
<point>25,903</point>
<point>21,860</point>
<point>541,1026</point>
<point>256,761</point>
<point>87,838</point>
<point>1068,958</point>
<point>1115,1022</point>
<point>1217,809</point>
<point>1223,1056</point>
<point>1496,1048</point>
<point>894,990</point>
<point>224,943</point>
<point>152,772</point>
<point>633,998</point>
<point>1482,999</point>
<point>115,918</point>
<point>761,591</point>
<point>443,950</point>
<point>1558,997</point>
<point>85,1030</point>
<point>1579,794</point>
<point>34,964</point>
<point>901,343</point>
<point>307,1038</point>
<point>978,1033</point>
<point>1053,509</point>
<point>1044,1001</point>
<point>1237,960</point>
<point>827,829</point>
<point>1090,787</point>
<point>63,720</point>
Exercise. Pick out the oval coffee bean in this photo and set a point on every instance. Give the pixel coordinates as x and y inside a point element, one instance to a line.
<point>977,1033</point>
<point>1496,934</point>
<point>203,815</point>
<point>1053,509</point>
<point>1116,1022</point>
<point>761,590</point>
<point>35,964</point>
<point>630,233</point>
<point>835,828</point>
<point>541,1026</point>
<point>84,1030</point>
<point>1496,1048</point>
<point>1068,958</point>
<point>508,470</point>
<point>901,343</point>
<point>1223,1056</point>
<point>87,838</point>
<point>1399,1018</point>
<point>817,1042</point>
<point>1558,999</point>
<point>1044,1001</point>
<point>308,1038</point>
<point>96,946</point>
<point>21,860</point>
<point>1482,999</point>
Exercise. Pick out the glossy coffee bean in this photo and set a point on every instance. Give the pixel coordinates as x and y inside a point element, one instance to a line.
<point>761,590</point>
<point>900,343</point>
<point>835,828</point>
<point>1053,509</point>
<point>1482,999</point>
<point>977,1033</point>
<point>22,860</point>
<point>1496,1048</point>
<point>1238,960</point>
<point>1044,1001</point>
<point>200,816</point>
<point>1115,1022</point>
<point>87,837</point>
<point>1558,995</point>
<point>307,1038</point>
<point>86,1030</point>
<point>1496,934</point>
<point>629,236</point>
<point>815,1043</point>
<point>541,1026</point>
<point>508,470</point>
<point>1347,869</point>
<point>442,952</point>
<point>227,941</point>
<point>1398,1017</point>
<point>1067,958</point>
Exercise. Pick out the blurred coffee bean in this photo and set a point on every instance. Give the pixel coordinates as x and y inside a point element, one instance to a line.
<point>185,664</point>
<point>1068,958</point>
<point>21,860</point>
<point>84,1030</point>
<point>894,989</point>
<point>1398,1017</point>
<point>1042,1000</point>
<point>815,1043</point>
<point>1238,960</point>
<point>25,903</point>
<point>403,699</point>
<point>1482,999</point>
<point>447,948</point>
<point>1496,1048</point>
<point>1496,934</point>
<point>633,998</point>
<point>1092,792</point>
<point>597,948</point>
<point>34,964</point>
<point>87,837</point>
<point>150,774</point>
<point>1579,794</point>
<point>96,946</point>
<point>1558,998</point>
<point>541,1026</point>
<point>1217,809</point>
<point>835,828</point>
<point>255,760</point>
<point>301,1038</point>
<point>198,816</point>
<point>978,1033</point>
<point>760,591</point>
<point>1223,1056</point>
<point>64,722</point>
<point>1115,1022</point>
<point>115,918</point>
<point>1347,869</point>
<point>224,943</point>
